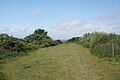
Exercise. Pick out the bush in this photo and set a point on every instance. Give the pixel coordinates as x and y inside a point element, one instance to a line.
<point>2,76</point>
<point>74,39</point>
<point>11,47</point>
<point>101,44</point>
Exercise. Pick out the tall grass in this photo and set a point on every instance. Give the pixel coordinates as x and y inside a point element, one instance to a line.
<point>2,75</point>
<point>101,44</point>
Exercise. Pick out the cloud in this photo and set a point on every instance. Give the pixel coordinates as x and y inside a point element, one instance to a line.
<point>38,13</point>
<point>66,24</point>
<point>74,22</point>
<point>108,17</point>
<point>41,14</point>
<point>76,27</point>
<point>19,32</point>
<point>64,29</point>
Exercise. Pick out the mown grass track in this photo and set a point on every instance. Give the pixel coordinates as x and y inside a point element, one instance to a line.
<point>67,61</point>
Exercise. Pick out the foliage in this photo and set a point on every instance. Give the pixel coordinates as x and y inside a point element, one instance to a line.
<point>101,44</point>
<point>74,39</point>
<point>107,46</point>
<point>37,37</point>
<point>12,47</point>
<point>40,37</point>
<point>63,62</point>
<point>2,75</point>
<point>58,41</point>
<point>6,38</point>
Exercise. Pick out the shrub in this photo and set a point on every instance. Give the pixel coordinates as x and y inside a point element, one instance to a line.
<point>101,44</point>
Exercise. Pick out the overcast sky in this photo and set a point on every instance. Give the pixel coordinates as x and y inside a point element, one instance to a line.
<point>62,19</point>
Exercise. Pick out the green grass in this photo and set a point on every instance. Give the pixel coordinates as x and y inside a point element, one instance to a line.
<point>63,62</point>
<point>2,75</point>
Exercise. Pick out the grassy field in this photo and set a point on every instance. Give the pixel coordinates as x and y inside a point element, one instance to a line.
<point>63,62</point>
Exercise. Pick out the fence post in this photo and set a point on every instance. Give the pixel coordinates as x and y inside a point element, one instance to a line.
<point>113,50</point>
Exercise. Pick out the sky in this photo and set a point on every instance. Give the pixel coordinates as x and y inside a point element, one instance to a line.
<point>62,19</point>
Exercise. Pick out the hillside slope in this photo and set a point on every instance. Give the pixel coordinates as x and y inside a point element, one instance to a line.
<point>63,62</point>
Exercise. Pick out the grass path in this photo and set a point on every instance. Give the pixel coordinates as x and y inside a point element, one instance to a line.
<point>63,62</point>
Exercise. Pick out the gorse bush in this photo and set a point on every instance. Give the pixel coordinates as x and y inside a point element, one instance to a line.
<point>105,45</point>
<point>37,37</point>
<point>74,39</point>
<point>40,38</point>
<point>12,49</point>
<point>106,50</point>
<point>11,46</point>
<point>101,44</point>
<point>2,75</point>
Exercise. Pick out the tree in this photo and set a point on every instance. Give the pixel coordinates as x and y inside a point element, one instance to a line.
<point>38,37</point>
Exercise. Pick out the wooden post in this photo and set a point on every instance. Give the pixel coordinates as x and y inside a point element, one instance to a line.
<point>113,50</point>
